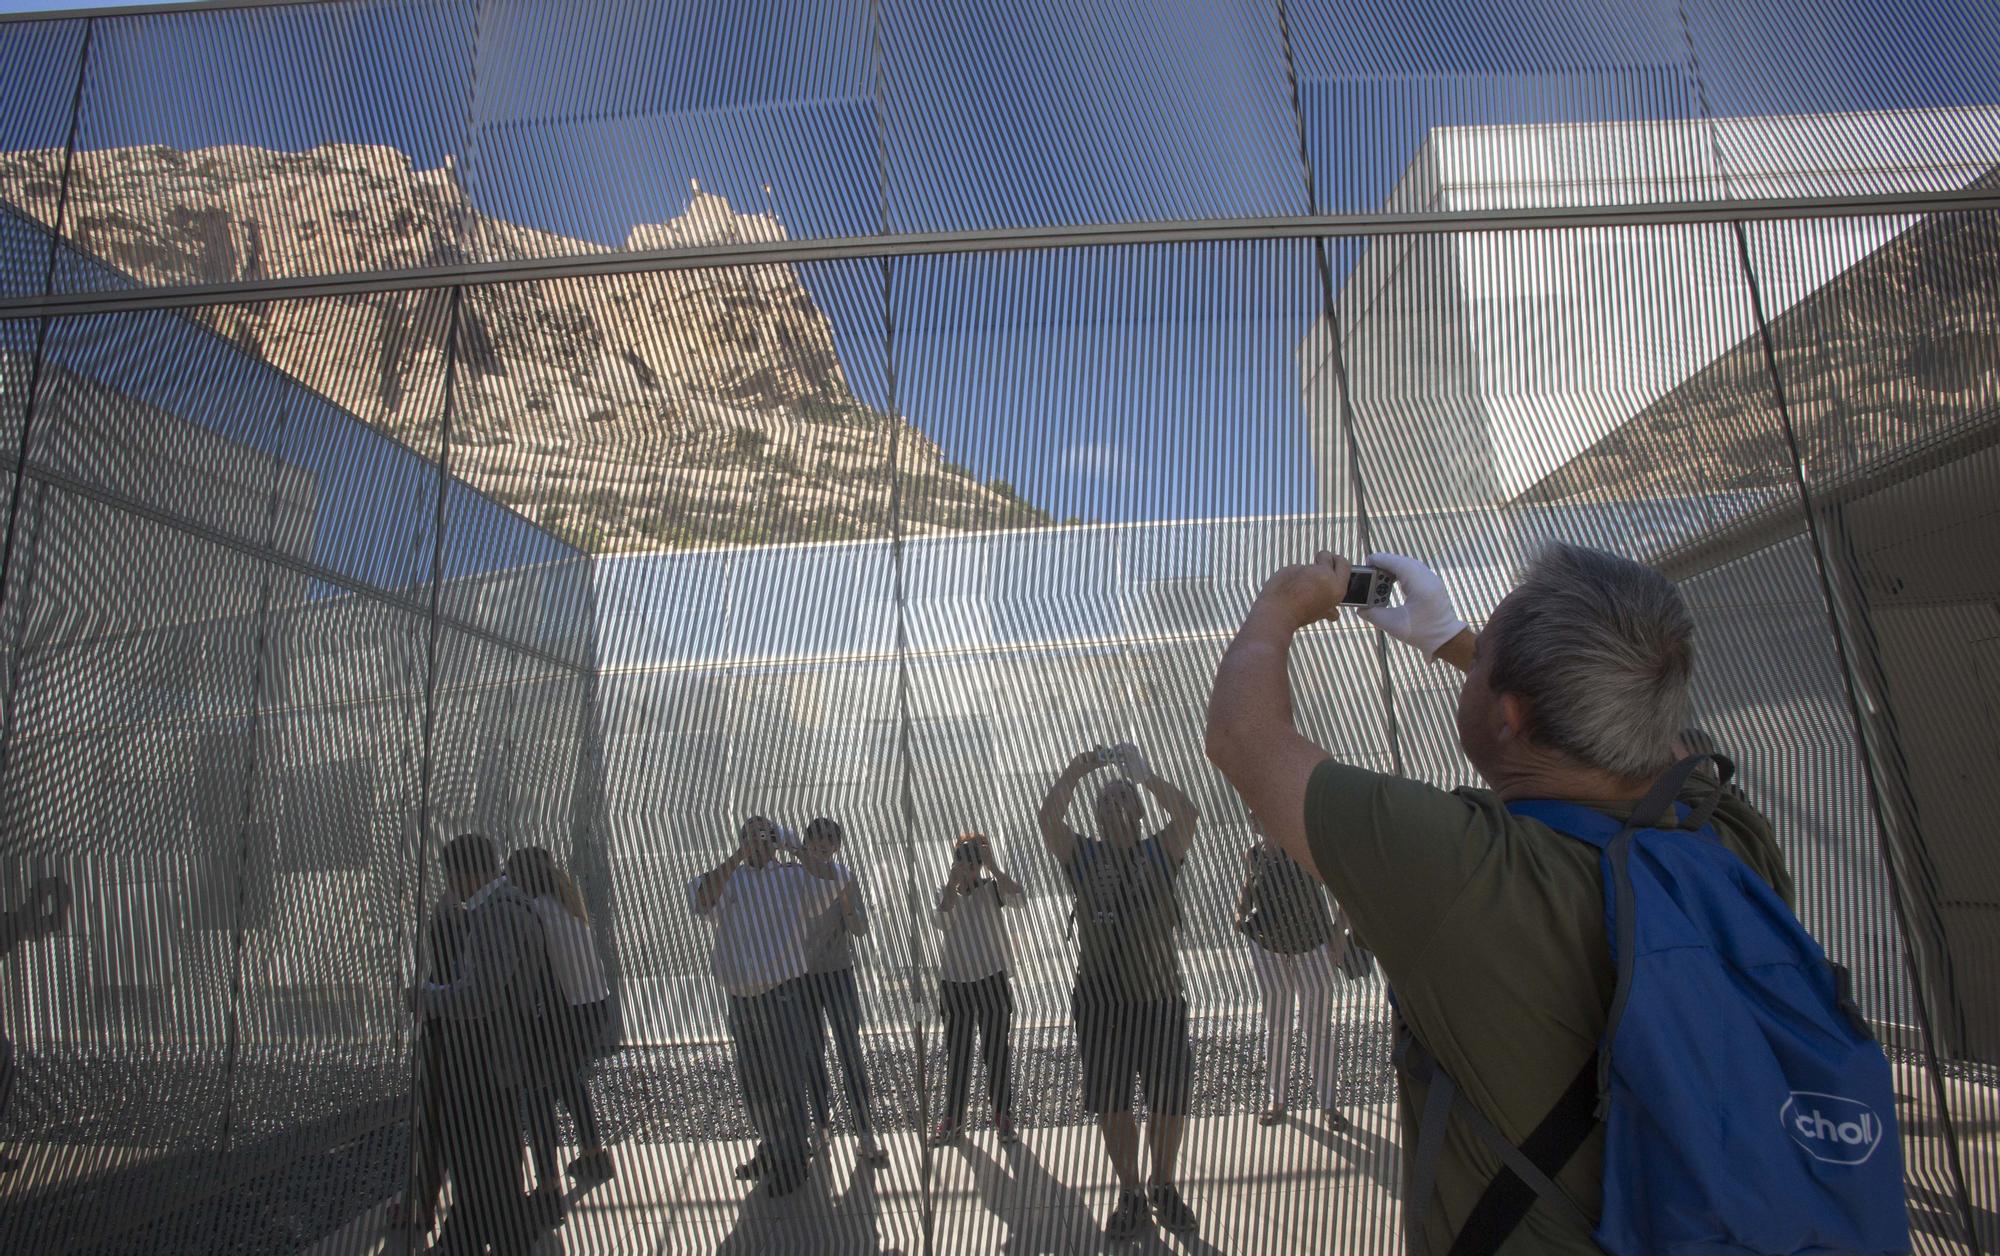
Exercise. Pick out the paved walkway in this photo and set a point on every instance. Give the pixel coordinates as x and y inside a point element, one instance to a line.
<point>1293,1187</point>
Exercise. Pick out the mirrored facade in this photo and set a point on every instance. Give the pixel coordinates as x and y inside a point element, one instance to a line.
<point>591,425</point>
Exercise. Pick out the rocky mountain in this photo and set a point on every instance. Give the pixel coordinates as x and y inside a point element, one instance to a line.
<point>1899,350</point>
<point>675,409</point>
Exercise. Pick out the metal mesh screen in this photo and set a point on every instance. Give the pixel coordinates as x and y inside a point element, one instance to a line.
<point>592,425</point>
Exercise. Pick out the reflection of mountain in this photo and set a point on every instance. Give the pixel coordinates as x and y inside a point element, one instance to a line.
<point>1899,350</point>
<point>630,412</point>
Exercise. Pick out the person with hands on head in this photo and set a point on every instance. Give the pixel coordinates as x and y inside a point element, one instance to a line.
<point>760,905</point>
<point>1129,1003</point>
<point>1489,925</point>
<point>975,990</point>
<point>42,915</point>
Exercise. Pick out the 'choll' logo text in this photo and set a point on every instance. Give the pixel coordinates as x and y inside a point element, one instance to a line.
<point>1832,1128</point>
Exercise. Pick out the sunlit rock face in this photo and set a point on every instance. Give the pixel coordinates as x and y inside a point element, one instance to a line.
<point>681,408</point>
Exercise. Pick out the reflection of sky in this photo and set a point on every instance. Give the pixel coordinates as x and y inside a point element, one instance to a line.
<point>57,6</point>
<point>1098,383</point>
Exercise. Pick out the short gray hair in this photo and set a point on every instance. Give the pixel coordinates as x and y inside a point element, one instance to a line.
<point>1603,650</point>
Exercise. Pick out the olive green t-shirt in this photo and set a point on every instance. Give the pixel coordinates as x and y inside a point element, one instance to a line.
<point>1490,928</point>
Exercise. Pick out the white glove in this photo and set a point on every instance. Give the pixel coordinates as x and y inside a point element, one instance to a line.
<point>1425,619</point>
<point>1133,763</point>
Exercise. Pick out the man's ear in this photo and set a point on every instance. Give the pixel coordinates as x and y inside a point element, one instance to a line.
<point>1516,716</point>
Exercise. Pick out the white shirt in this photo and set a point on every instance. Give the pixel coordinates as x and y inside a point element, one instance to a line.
<point>760,923</point>
<point>572,953</point>
<point>975,940</point>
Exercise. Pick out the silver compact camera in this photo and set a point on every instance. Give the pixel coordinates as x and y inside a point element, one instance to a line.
<point>1368,586</point>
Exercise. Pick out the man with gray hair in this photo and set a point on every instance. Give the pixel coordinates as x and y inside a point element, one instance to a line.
<point>1489,925</point>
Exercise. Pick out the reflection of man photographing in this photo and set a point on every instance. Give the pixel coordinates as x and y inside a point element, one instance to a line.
<point>1489,923</point>
<point>760,906</point>
<point>42,916</point>
<point>1129,1005</point>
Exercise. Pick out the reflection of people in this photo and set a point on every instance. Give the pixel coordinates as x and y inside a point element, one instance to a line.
<point>577,1026</point>
<point>832,996</point>
<point>444,940</point>
<point>975,992</point>
<point>1489,925</point>
<point>42,915</point>
<point>1294,950</point>
<point>760,905</point>
<point>1129,1004</point>
<point>496,1003</point>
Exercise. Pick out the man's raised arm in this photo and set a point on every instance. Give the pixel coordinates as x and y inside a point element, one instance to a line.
<point>1054,815</point>
<point>708,888</point>
<point>1182,814</point>
<point>1250,738</point>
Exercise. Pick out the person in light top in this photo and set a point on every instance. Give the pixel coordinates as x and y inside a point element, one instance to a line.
<point>975,990</point>
<point>577,1026</point>
<point>760,901</point>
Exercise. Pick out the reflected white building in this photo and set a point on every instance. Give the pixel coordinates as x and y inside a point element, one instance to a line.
<point>1481,362</point>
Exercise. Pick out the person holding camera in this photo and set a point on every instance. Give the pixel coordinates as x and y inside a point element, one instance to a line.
<point>1129,1003</point>
<point>1489,923</point>
<point>760,904</point>
<point>833,998</point>
<point>975,989</point>
<point>41,916</point>
<point>1295,950</point>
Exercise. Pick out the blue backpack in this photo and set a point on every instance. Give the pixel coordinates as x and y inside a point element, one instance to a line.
<point>1747,1107</point>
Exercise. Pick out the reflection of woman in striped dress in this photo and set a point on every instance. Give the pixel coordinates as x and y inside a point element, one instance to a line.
<point>1295,948</point>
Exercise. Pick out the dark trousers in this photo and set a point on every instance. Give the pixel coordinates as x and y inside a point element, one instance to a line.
<point>769,1031</point>
<point>988,1006</point>
<point>571,1088</point>
<point>835,999</point>
<point>427,1143</point>
<point>482,1148</point>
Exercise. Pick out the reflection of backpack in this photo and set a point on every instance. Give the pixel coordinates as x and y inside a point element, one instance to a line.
<point>1746,1106</point>
<point>1088,852</point>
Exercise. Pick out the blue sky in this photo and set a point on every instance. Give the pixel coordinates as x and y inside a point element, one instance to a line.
<point>58,6</point>
<point>1093,380</point>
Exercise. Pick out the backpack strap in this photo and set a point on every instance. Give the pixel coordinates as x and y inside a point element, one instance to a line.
<point>1508,1197</point>
<point>1725,770</point>
<point>1525,1175</point>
